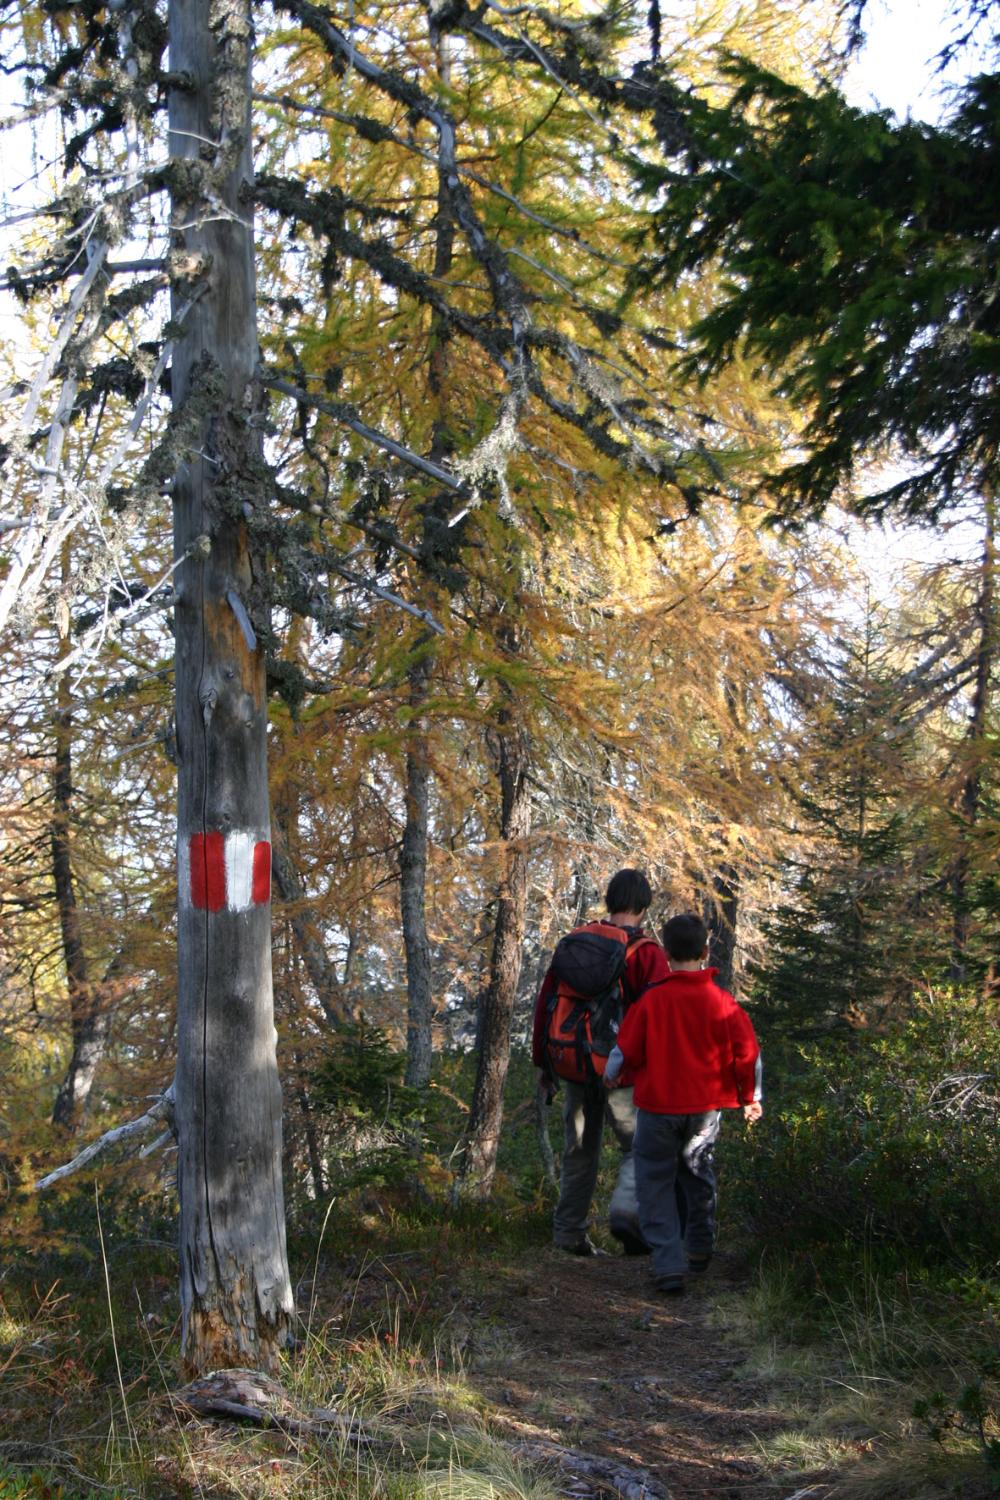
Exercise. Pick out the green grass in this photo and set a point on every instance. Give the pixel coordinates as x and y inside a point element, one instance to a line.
<point>35,1484</point>
<point>875,1351</point>
<point>850,1371</point>
<point>383,1338</point>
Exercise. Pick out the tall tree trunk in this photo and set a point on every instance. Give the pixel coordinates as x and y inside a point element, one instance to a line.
<point>722,919</point>
<point>285,867</point>
<point>319,965</point>
<point>971,788</point>
<point>496,1006</point>
<point>856,957</point>
<point>86,1030</point>
<point>413,887</point>
<point>413,855</point>
<point>313,1151</point>
<point>723,904</point>
<point>236,1297</point>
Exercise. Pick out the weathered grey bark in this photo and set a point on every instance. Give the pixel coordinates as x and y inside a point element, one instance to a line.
<point>123,1137</point>
<point>90,1037</point>
<point>970,791</point>
<point>496,1005</point>
<point>723,904</point>
<point>591,1472</point>
<point>413,888</point>
<point>236,1297</point>
<point>86,1029</point>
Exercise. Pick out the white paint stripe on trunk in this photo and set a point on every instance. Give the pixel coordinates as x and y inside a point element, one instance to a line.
<point>239,869</point>
<point>183,872</point>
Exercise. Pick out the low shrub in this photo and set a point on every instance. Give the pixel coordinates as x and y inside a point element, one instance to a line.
<point>883,1142</point>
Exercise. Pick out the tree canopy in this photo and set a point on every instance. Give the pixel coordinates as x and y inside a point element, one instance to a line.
<point>858,269</point>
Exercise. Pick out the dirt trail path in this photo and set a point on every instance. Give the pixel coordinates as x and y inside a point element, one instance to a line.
<point>585,1353</point>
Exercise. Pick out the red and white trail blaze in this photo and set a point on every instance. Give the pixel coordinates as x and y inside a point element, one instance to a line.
<point>224,871</point>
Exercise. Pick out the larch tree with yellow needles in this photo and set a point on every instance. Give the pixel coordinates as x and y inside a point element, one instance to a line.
<point>348,294</point>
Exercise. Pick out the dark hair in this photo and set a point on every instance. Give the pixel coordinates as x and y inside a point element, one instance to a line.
<point>685,937</point>
<point>629,890</point>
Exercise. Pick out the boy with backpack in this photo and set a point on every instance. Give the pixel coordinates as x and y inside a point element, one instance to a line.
<point>694,1054</point>
<point>597,971</point>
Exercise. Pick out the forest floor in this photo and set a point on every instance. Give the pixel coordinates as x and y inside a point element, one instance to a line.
<point>477,1365</point>
<point>583,1353</point>
<point>599,1361</point>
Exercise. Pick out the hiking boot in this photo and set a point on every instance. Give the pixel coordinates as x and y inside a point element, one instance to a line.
<point>669,1286</point>
<point>629,1237</point>
<point>585,1246</point>
<point>699,1263</point>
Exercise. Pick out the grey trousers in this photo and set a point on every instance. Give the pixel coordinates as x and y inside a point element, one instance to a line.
<point>674,1157</point>
<point>586,1106</point>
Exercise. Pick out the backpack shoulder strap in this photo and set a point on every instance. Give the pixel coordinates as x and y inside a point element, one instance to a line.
<point>603,929</point>
<point>633,947</point>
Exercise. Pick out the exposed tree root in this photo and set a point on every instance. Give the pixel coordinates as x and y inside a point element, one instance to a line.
<point>247,1396</point>
<point>593,1475</point>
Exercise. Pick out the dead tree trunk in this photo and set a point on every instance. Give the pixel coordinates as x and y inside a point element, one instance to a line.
<point>87,1033</point>
<point>235,1292</point>
<point>496,1008</point>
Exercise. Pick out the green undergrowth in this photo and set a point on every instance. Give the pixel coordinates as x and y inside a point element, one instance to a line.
<point>376,1131</point>
<point>34,1484</point>
<point>388,1350</point>
<point>384,1280</point>
<point>889,1389</point>
<point>863,1205</point>
<point>867,1199</point>
<point>384,1267</point>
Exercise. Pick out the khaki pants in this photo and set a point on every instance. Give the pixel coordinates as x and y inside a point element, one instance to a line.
<point>586,1107</point>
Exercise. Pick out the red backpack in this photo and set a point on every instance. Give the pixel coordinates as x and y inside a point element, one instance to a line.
<point>586,1007</point>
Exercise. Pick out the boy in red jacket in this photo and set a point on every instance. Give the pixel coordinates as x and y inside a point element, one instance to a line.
<point>695,1054</point>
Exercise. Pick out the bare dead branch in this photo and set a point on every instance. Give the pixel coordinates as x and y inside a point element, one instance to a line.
<point>346,415</point>
<point>122,1135</point>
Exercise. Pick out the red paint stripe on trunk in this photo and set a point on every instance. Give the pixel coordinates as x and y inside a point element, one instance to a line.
<point>261,873</point>
<point>215,865</point>
<point>196,861</point>
<point>208,871</point>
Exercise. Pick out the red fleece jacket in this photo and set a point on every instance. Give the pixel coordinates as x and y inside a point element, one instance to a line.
<point>691,1046</point>
<point>643,967</point>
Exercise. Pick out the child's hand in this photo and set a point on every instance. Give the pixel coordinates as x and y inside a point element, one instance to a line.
<point>753,1111</point>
